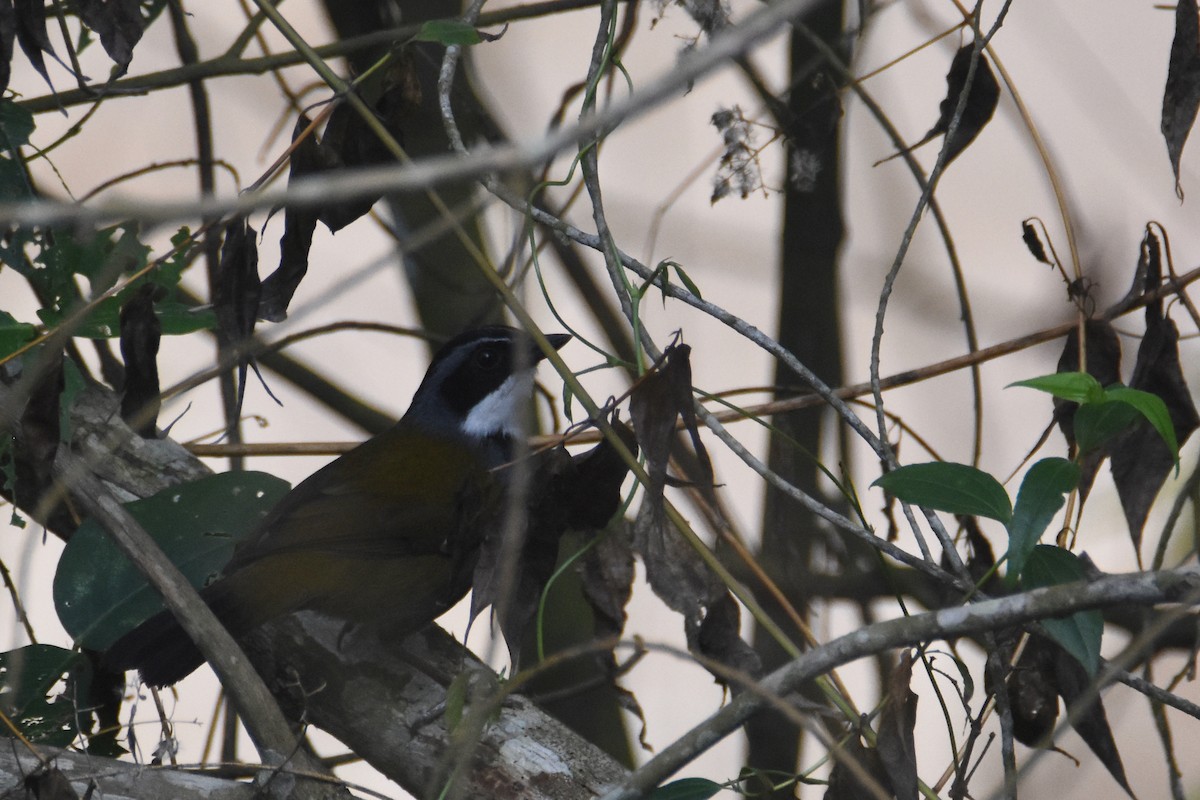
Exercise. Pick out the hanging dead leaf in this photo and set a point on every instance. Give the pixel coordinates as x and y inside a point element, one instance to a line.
<point>675,571</point>
<point>1181,96</point>
<point>1141,460</point>
<point>982,99</point>
<point>32,36</point>
<point>1090,721</point>
<point>141,332</point>
<point>299,224</point>
<point>348,142</point>
<point>1034,243</point>
<point>118,23</point>
<point>236,296</point>
<point>1033,692</point>
<point>607,576</point>
<point>569,493</point>
<point>858,773</point>
<point>595,491</point>
<point>897,724</point>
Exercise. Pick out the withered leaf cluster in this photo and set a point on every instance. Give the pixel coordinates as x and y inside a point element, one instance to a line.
<point>1043,674</point>
<point>241,298</point>
<point>119,24</point>
<point>674,568</point>
<point>863,771</point>
<point>567,492</point>
<point>1139,458</point>
<point>349,142</point>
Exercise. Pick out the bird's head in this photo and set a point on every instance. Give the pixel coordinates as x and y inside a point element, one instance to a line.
<point>479,383</point>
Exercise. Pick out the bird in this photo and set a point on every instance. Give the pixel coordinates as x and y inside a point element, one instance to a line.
<point>390,531</point>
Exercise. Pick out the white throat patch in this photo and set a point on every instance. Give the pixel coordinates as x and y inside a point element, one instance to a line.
<point>500,412</point>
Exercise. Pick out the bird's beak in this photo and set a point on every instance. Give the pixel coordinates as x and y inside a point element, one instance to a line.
<point>556,340</point>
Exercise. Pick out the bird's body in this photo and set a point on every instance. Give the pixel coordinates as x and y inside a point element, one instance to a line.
<point>390,531</point>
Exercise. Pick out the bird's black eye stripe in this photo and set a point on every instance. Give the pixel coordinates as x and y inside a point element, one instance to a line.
<point>488,356</point>
<point>480,373</point>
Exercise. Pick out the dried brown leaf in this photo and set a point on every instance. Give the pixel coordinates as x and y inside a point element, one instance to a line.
<point>1181,96</point>
<point>569,493</point>
<point>1090,721</point>
<point>1141,460</point>
<point>32,36</point>
<point>847,783</point>
<point>897,725</point>
<point>1033,692</point>
<point>675,571</point>
<point>237,292</point>
<point>118,23</point>
<point>981,104</point>
<point>348,142</point>
<point>141,333</point>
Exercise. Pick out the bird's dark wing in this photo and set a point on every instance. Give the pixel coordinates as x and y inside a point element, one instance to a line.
<point>402,494</point>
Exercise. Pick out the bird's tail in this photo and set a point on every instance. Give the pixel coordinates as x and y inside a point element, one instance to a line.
<point>163,652</point>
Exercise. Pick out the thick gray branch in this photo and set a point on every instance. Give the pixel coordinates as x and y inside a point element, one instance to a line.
<point>385,699</point>
<point>109,778</point>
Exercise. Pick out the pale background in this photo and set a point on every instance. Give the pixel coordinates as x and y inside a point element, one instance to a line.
<point>1092,75</point>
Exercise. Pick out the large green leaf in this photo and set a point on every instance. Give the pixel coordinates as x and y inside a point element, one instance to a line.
<point>27,676</point>
<point>1041,495</point>
<point>104,321</point>
<point>99,595</point>
<point>1080,633</point>
<point>945,486</point>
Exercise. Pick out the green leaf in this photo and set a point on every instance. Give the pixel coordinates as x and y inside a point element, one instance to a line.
<point>99,595</point>
<point>448,32</point>
<point>1078,387</point>
<point>14,187</point>
<point>171,269</point>
<point>13,334</point>
<point>27,676</point>
<point>1097,423</point>
<point>104,321</point>
<point>1152,407</point>
<point>1080,633</point>
<point>945,486</point>
<point>1041,495</point>
<point>178,319</point>
<point>16,124</point>
<point>686,789</point>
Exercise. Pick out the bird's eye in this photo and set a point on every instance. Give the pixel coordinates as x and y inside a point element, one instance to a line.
<point>487,358</point>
